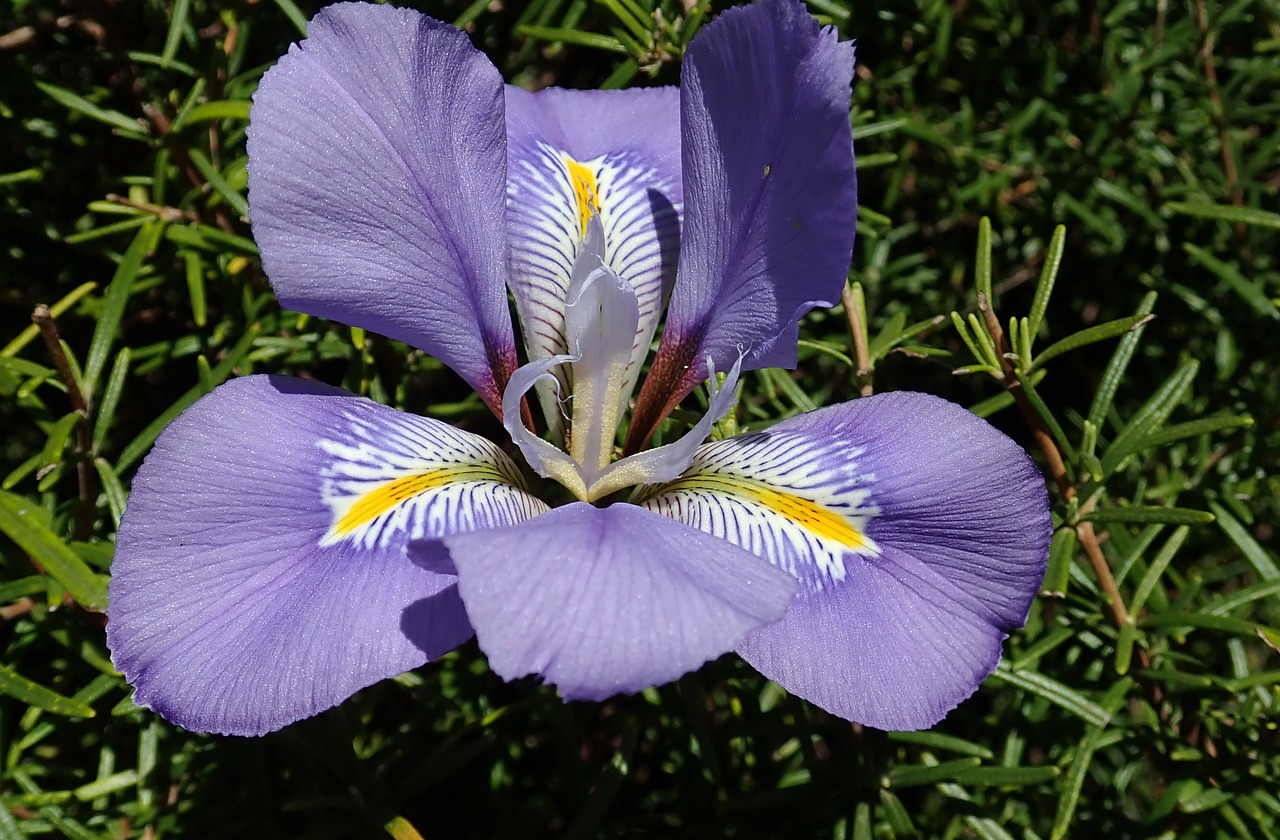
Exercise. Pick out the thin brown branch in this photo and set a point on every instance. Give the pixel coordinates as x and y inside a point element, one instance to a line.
<point>1092,549</point>
<point>1057,468</point>
<point>1215,99</point>
<point>20,607</point>
<point>167,214</point>
<point>43,319</point>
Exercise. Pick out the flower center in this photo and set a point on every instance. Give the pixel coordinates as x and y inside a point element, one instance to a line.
<point>600,319</point>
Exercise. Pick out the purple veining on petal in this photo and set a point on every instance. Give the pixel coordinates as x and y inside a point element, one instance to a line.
<point>237,605</point>
<point>938,551</point>
<point>770,196</point>
<point>377,151</point>
<point>607,601</point>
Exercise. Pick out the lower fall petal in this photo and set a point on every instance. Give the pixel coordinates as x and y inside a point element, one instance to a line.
<point>889,647</point>
<point>919,535</point>
<point>602,601</point>
<point>260,573</point>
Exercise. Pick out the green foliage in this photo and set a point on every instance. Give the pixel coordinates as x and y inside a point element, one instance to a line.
<point>1115,164</point>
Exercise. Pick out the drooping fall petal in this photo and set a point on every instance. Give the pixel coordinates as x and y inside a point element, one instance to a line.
<point>260,573</point>
<point>918,532</point>
<point>602,601</point>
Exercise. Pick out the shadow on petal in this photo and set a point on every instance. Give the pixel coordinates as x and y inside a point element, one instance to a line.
<point>436,624</point>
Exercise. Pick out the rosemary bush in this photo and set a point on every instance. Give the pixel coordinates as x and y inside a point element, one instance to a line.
<point>1067,223</point>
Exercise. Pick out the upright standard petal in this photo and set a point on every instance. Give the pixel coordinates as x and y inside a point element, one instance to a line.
<point>770,196</point>
<point>260,573</point>
<point>577,154</point>
<point>377,154</point>
<point>606,601</point>
<point>919,535</point>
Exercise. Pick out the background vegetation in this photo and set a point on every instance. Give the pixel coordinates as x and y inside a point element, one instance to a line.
<point>1151,131</point>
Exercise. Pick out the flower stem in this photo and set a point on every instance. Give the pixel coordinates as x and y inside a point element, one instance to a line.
<point>854,309</point>
<point>1057,468</point>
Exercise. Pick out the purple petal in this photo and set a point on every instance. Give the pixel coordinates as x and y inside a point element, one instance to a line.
<point>607,601</point>
<point>769,181</point>
<point>589,123</point>
<point>260,573</point>
<point>770,196</point>
<point>889,648</point>
<point>919,534</point>
<point>572,153</point>
<point>377,153</point>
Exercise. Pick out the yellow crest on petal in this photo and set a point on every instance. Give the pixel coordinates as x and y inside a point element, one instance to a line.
<point>816,518</point>
<point>583,181</point>
<point>374,503</point>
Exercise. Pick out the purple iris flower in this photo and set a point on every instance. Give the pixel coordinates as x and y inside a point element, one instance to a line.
<point>288,543</point>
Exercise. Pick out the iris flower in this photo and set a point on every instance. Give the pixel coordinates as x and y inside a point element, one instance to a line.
<point>288,543</point>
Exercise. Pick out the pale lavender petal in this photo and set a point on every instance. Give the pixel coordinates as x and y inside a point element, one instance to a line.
<point>919,535</point>
<point>667,462</point>
<point>590,123</point>
<point>377,153</point>
<point>606,601</point>
<point>770,196</point>
<point>588,481</point>
<point>574,153</point>
<point>600,321</point>
<point>260,573</point>
<point>544,458</point>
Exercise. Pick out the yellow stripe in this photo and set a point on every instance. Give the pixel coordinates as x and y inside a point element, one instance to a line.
<point>386,496</point>
<point>584,190</point>
<point>808,514</point>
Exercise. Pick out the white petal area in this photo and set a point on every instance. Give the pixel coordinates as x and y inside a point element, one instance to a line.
<point>546,459</point>
<point>601,601</point>
<point>586,481</point>
<point>781,496</point>
<point>419,477</point>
